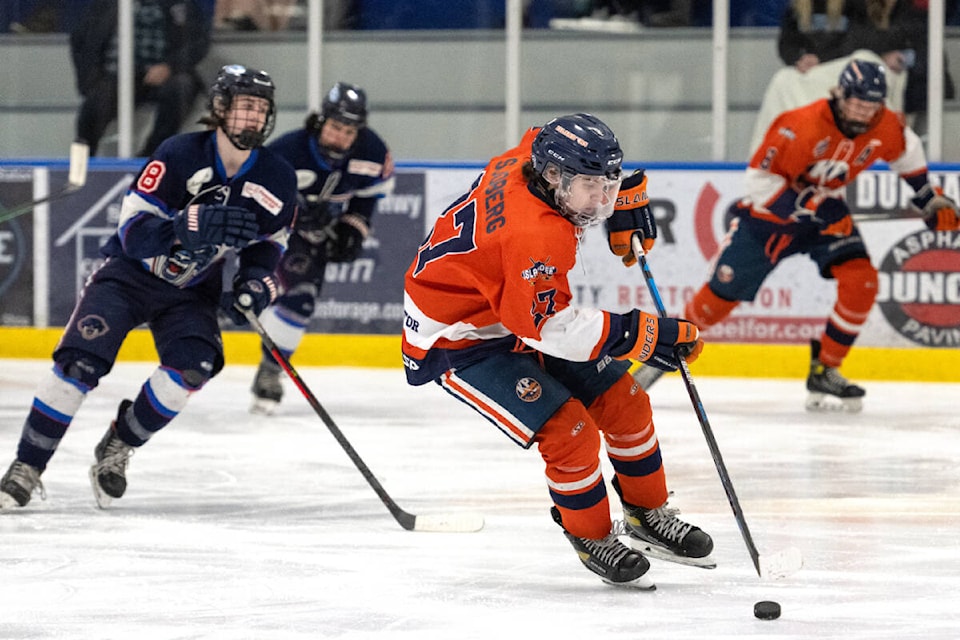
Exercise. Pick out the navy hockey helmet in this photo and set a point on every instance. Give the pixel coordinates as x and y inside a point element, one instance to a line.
<point>237,80</point>
<point>859,97</point>
<point>579,149</point>
<point>346,103</point>
<point>864,80</point>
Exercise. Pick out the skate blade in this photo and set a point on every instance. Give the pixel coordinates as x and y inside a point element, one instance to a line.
<point>103,500</point>
<point>643,583</point>
<point>826,403</point>
<point>263,406</point>
<point>7,502</point>
<point>659,553</point>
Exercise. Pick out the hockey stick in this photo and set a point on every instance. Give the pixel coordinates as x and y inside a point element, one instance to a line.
<point>900,214</point>
<point>76,178</point>
<point>447,523</point>
<point>777,565</point>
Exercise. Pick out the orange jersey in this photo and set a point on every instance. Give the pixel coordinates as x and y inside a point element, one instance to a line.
<point>492,274</point>
<point>804,148</point>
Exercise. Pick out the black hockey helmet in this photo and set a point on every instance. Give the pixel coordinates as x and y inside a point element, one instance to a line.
<point>237,80</point>
<point>346,103</point>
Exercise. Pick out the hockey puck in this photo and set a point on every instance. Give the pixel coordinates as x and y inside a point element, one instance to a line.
<point>767,610</point>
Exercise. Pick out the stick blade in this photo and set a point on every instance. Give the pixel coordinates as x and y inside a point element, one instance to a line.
<point>79,158</point>
<point>781,564</point>
<point>449,522</point>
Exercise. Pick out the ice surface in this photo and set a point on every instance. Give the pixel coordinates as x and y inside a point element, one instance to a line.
<point>241,526</point>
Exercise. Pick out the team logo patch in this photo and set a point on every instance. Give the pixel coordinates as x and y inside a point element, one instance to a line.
<point>577,428</point>
<point>539,270</point>
<point>920,288</point>
<point>92,327</point>
<point>262,196</point>
<point>529,390</point>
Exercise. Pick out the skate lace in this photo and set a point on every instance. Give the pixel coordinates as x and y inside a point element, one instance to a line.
<point>609,550</point>
<point>27,477</point>
<point>834,379</point>
<point>115,456</point>
<point>665,522</point>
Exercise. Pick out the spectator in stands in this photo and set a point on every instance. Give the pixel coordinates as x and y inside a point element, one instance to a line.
<point>818,38</point>
<point>171,37</point>
<point>253,15</point>
<point>911,19</point>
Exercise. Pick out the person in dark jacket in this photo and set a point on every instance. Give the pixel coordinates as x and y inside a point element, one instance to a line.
<point>170,39</point>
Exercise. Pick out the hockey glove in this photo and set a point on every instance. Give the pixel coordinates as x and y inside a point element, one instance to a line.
<point>345,238</point>
<point>939,211</point>
<point>832,217</point>
<point>631,216</point>
<point>203,225</point>
<point>313,221</point>
<point>658,341</point>
<point>253,290</point>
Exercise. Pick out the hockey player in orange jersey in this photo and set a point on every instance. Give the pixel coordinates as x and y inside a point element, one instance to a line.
<point>489,315</point>
<point>795,204</point>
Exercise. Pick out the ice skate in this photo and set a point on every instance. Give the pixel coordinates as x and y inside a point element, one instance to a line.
<point>659,533</point>
<point>18,485</point>
<point>108,477</point>
<point>615,563</point>
<point>267,389</point>
<point>830,391</point>
<point>647,376</point>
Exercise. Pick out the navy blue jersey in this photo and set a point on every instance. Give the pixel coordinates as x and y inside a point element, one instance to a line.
<point>352,184</point>
<point>186,169</point>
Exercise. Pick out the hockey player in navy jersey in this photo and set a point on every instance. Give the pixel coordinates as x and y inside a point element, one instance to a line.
<point>343,168</point>
<point>200,197</point>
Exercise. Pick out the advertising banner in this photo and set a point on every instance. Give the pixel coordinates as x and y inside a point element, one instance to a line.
<point>16,250</point>
<point>365,296</point>
<point>918,302</point>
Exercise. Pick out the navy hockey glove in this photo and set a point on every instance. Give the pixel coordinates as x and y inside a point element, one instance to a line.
<point>939,211</point>
<point>657,341</point>
<point>631,215</point>
<point>345,238</point>
<point>251,292</point>
<point>203,225</point>
<point>830,215</point>
<point>313,221</point>
<point>833,217</point>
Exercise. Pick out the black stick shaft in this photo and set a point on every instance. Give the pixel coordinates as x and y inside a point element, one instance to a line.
<point>704,422</point>
<point>406,520</point>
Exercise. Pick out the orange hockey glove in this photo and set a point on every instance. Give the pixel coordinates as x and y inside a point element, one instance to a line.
<point>631,215</point>
<point>658,341</point>
<point>939,211</point>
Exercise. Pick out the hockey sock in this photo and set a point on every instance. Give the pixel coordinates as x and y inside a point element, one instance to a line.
<point>706,308</point>
<point>569,443</point>
<point>161,398</point>
<point>57,400</point>
<point>624,415</point>
<point>856,292</point>
<point>285,327</point>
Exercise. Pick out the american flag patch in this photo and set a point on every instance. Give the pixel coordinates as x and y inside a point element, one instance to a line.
<point>193,218</point>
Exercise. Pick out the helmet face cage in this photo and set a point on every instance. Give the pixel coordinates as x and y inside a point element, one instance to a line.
<point>862,84</point>
<point>580,158</point>
<point>237,80</point>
